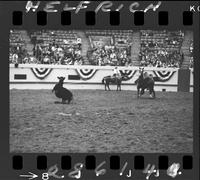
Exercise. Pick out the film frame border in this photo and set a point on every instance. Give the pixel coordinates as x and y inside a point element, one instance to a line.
<point>90,18</point>
<point>196,36</point>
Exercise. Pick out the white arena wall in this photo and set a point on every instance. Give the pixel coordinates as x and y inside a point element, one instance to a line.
<point>37,76</point>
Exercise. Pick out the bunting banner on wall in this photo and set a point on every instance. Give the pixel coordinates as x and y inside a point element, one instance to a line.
<point>128,73</point>
<point>41,73</point>
<point>86,74</point>
<point>164,75</point>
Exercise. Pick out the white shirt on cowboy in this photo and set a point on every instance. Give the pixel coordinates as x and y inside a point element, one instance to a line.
<point>116,71</point>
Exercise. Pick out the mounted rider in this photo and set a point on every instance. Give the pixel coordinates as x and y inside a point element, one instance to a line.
<point>116,73</point>
<point>147,76</point>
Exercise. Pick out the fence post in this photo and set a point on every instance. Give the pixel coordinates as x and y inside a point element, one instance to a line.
<point>184,80</point>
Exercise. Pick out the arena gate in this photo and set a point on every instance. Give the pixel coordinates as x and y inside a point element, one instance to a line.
<point>28,76</point>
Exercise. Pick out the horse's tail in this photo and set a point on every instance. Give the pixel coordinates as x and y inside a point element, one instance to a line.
<point>54,88</point>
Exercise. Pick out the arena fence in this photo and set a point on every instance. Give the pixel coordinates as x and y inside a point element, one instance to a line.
<point>38,76</point>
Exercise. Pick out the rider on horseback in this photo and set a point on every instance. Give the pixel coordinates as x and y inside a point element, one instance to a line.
<point>147,76</point>
<point>145,81</point>
<point>116,73</point>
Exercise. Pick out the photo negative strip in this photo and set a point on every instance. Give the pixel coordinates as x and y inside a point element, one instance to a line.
<point>100,90</point>
<point>110,90</point>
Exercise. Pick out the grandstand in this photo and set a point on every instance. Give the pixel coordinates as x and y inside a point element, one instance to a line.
<point>46,37</point>
<point>16,38</point>
<point>102,47</point>
<point>161,48</point>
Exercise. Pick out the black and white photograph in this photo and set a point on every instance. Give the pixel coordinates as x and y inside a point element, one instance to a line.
<point>101,91</point>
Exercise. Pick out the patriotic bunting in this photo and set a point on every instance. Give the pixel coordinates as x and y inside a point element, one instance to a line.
<point>164,75</point>
<point>86,74</point>
<point>128,73</point>
<point>41,73</point>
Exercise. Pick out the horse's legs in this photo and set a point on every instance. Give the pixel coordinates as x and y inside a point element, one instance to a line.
<point>150,93</point>
<point>63,101</point>
<point>142,92</point>
<point>138,92</point>
<point>69,100</point>
<point>154,94</point>
<point>118,81</point>
<point>108,87</point>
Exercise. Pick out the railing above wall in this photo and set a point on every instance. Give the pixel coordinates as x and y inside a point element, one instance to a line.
<point>89,67</point>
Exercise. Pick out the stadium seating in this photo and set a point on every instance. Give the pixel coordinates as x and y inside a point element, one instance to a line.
<point>47,37</point>
<point>157,48</point>
<point>16,38</point>
<point>113,49</point>
<point>161,48</point>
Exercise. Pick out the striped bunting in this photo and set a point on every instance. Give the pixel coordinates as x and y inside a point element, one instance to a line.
<point>86,74</point>
<point>41,73</point>
<point>164,75</point>
<point>128,73</point>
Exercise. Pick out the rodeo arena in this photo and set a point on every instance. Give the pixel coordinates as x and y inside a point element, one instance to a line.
<point>100,91</point>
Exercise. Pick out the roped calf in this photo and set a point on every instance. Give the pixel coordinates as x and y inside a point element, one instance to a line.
<point>62,92</point>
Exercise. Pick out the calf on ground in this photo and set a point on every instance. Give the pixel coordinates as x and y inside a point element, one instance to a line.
<point>62,92</point>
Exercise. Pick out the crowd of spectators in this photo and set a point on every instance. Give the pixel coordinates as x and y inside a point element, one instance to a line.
<point>17,54</point>
<point>157,50</point>
<point>51,54</point>
<point>55,54</point>
<point>161,48</point>
<point>160,58</point>
<point>109,55</point>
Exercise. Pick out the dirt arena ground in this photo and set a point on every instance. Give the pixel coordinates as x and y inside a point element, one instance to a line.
<point>100,121</point>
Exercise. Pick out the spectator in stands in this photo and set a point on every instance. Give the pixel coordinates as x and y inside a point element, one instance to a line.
<point>25,60</point>
<point>15,58</point>
<point>109,55</point>
<point>161,52</point>
<point>158,49</point>
<point>33,60</point>
<point>160,58</point>
<point>46,60</point>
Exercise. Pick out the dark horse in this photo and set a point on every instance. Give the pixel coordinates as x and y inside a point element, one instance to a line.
<point>113,80</point>
<point>145,83</point>
<point>62,92</point>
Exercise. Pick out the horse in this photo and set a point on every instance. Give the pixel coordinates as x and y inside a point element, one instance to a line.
<point>145,83</point>
<point>113,80</point>
<point>62,92</point>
